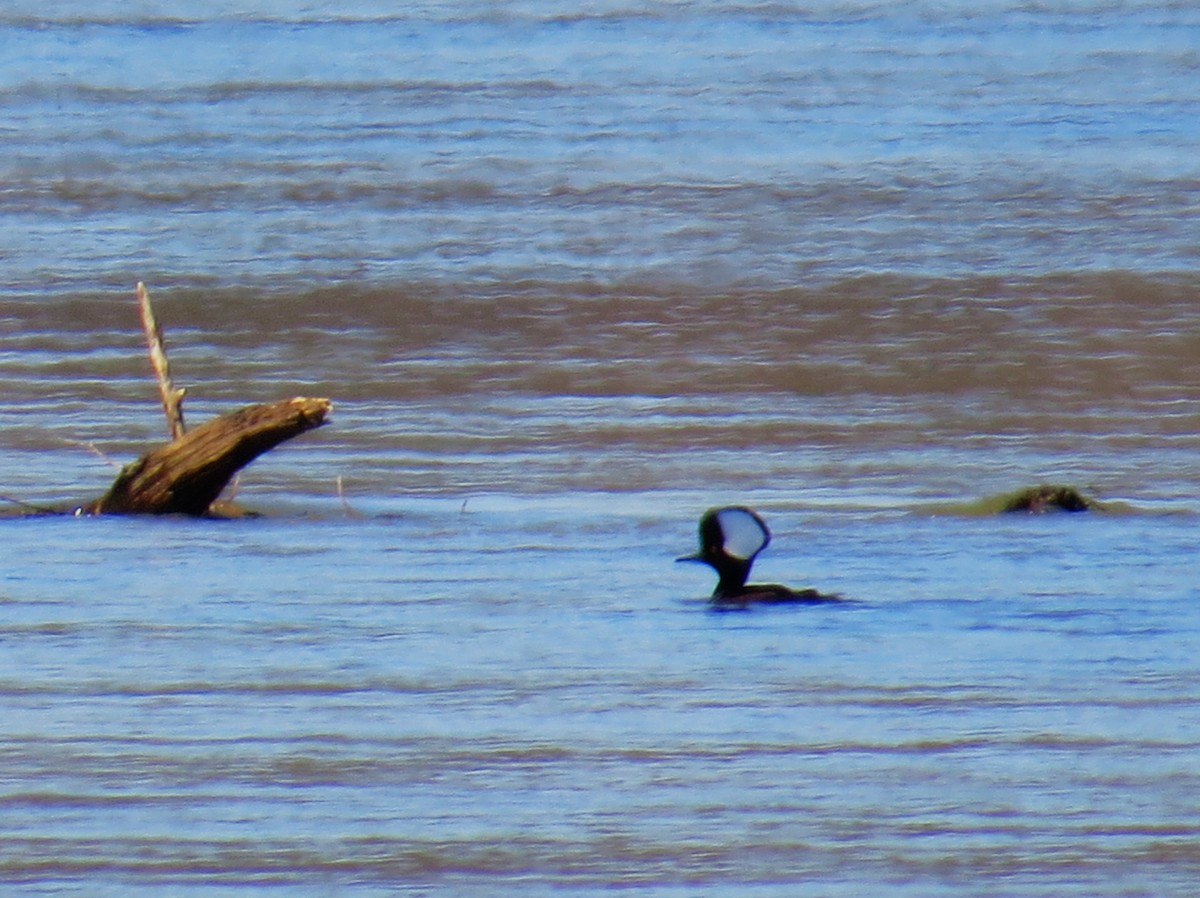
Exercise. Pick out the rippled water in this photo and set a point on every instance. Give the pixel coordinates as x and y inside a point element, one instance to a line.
<point>570,277</point>
<point>706,141</point>
<point>509,699</point>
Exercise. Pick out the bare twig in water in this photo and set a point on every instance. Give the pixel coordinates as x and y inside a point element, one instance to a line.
<point>347,509</point>
<point>172,399</point>
<point>96,451</point>
<point>235,487</point>
<point>29,506</point>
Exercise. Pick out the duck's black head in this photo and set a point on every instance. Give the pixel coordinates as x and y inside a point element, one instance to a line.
<point>730,539</point>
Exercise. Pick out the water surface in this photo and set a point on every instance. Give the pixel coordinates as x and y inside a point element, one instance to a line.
<point>571,277</point>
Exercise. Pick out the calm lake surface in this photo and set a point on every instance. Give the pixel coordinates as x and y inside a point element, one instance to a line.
<point>572,274</point>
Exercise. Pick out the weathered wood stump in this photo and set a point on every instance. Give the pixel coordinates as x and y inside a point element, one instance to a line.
<point>188,474</point>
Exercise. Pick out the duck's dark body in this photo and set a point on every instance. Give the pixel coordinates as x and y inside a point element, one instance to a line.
<point>730,540</point>
<point>769,594</point>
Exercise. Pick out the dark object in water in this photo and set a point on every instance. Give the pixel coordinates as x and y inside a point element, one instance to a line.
<point>187,475</point>
<point>730,540</point>
<point>1049,497</point>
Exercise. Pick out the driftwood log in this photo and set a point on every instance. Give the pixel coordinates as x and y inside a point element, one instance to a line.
<point>188,474</point>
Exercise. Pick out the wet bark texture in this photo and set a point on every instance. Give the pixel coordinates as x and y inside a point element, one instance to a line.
<point>187,475</point>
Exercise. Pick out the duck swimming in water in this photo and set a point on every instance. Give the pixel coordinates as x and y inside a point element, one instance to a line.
<point>730,540</point>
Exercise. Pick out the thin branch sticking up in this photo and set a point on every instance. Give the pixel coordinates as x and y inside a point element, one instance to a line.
<point>95,450</point>
<point>172,399</point>
<point>347,509</point>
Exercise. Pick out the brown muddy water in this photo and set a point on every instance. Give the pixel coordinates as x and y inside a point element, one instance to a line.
<point>571,278</point>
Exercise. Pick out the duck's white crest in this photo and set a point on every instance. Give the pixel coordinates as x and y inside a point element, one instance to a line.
<point>744,534</point>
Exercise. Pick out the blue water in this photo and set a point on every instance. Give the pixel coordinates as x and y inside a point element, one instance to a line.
<point>571,277</point>
<point>766,143</point>
<point>1008,707</point>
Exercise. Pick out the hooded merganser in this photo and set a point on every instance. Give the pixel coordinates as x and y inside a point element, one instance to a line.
<point>730,540</point>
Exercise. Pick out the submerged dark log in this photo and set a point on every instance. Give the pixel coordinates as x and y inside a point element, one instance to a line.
<point>1049,497</point>
<point>188,474</point>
